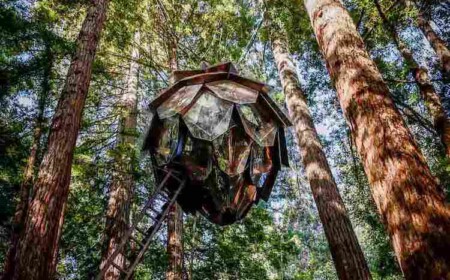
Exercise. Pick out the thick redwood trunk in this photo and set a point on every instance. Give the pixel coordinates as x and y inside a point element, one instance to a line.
<point>175,218</point>
<point>427,91</point>
<point>30,168</point>
<point>406,194</point>
<point>29,171</point>
<point>347,254</point>
<point>55,256</point>
<point>436,42</point>
<point>39,240</point>
<point>117,217</point>
<point>174,245</point>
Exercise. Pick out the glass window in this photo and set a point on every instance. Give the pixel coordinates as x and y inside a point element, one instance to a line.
<point>262,130</point>
<point>197,159</point>
<point>178,101</point>
<point>244,197</point>
<point>209,117</point>
<point>261,164</point>
<point>168,131</point>
<point>233,92</point>
<point>218,186</point>
<point>232,150</point>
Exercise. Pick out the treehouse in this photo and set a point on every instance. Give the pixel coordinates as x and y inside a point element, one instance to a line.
<point>221,133</point>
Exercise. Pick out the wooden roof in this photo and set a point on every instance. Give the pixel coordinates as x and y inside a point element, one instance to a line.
<point>223,71</point>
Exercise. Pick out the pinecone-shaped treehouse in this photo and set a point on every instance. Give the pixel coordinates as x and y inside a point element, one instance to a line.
<point>224,135</point>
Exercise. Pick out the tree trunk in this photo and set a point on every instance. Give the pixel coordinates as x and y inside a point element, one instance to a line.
<point>427,91</point>
<point>408,197</point>
<point>28,175</point>
<point>118,213</point>
<point>174,243</point>
<point>436,42</point>
<point>55,258</point>
<point>433,38</point>
<point>38,242</point>
<point>347,254</point>
<point>175,218</point>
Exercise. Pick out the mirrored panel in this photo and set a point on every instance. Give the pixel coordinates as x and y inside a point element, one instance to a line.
<point>197,158</point>
<point>167,132</point>
<point>178,101</point>
<point>261,164</point>
<point>209,117</point>
<point>233,92</point>
<point>232,150</point>
<point>262,129</point>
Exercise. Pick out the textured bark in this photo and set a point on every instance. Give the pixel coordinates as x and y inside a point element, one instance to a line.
<point>427,91</point>
<point>408,197</point>
<point>433,38</point>
<point>436,42</point>
<point>347,254</point>
<point>175,218</point>
<point>174,245</point>
<point>55,258</point>
<point>39,240</point>
<point>30,168</point>
<point>121,190</point>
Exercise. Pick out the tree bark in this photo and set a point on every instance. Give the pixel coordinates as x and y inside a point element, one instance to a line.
<point>436,42</point>
<point>175,218</point>
<point>408,197</point>
<point>55,256</point>
<point>29,172</point>
<point>118,213</point>
<point>427,91</point>
<point>39,240</point>
<point>174,243</point>
<point>347,254</point>
<point>433,38</point>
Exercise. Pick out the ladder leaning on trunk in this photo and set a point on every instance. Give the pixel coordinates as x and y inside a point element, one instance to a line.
<point>157,209</point>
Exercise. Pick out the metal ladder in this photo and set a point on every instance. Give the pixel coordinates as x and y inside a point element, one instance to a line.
<point>156,208</point>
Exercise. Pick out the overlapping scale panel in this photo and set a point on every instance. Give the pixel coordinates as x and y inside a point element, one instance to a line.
<point>177,102</point>
<point>243,199</point>
<point>230,197</point>
<point>196,159</point>
<point>166,134</point>
<point>261,164</point>
<point>232,150</point>
<point>233,92</point>
<point>262,130</point>
<point>209,117</point>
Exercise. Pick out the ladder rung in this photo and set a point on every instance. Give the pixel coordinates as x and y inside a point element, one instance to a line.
<point>151,217</point>
<point>136,240</point>
<point>158,217</point>
<point>118,267</point>
<point>164,195</point>
<point>141,231</point>
<point>152,209</point>
<point>150,230</point>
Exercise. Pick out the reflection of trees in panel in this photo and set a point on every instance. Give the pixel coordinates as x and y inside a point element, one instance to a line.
<point>165,135</point>
<point>261,164</point>
<point>178,101</point>
<point>232,150</point>
<point>209,117</point>
<point>261,128</point>
<point>195,159</point>
<point>233,92</point>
